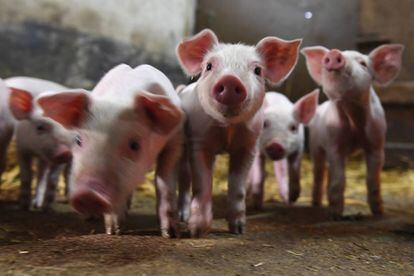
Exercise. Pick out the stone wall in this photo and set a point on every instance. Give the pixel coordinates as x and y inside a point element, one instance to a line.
<point>74,42</point>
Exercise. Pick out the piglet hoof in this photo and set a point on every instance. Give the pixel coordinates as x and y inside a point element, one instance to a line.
<point>316,203</point>
<point>238,227</point>
<point>170,233</point>
<point>257,202</point>
<point>198,232</point>
<point>24,204</point>
<point>293,196</point>
<point>377,210</point>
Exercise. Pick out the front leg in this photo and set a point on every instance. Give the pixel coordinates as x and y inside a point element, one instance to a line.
<point>112,224</point>
<point>201,214</point>
<point>240,164</point>
<point>257,176</point>
<point>280,168</point>
<point>46,187</point>
<point>375,161</point>
<point>184,186</point>
<point>25,164</point>
<point>165,183</point>
<point>294,163</point>
<point>336,183</point>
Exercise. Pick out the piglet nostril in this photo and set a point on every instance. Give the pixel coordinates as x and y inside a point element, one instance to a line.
<point>221,88</point>
<point>327,60</point>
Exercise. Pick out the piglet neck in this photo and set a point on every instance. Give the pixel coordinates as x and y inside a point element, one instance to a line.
<point>356,110</point>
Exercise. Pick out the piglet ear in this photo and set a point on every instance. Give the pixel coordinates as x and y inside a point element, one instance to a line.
<point>20,103</point>
<point>305,108</point>
<point>386,63</point>
<point>280,57</point>
<point>161,115</point>
<point>68,108</point>
<point>191,51</point>
<point>314,56</point>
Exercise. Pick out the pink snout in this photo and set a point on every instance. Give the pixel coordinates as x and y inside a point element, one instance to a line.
<point>230,91</point>
<point>275,151</point>
<point>90,197</point>
<point>62,154</point>
<point>333,60</point>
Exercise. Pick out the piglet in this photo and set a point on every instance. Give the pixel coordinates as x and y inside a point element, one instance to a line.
<point>223,115</point>
<point>36,138</point>
<point>282,141</point>
<point>130,121</point>
<point>352,119</point>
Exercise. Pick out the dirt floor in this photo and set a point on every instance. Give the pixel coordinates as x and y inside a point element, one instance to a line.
<point>281,240</point>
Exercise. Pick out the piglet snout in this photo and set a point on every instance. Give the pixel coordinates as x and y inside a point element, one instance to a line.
<point>333,60</point>
<point>62,154</point>
<point>275,151</point>
<point>229,90</point>
<point>89,198</point>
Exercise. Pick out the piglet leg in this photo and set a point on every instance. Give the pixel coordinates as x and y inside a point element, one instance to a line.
<point>201,215</point>
<point>165,182</point>
<point>318,160</point>
<point>46,187</point>
<point>281,172</point>
<point>66,176</point>
<point>375,160</point>
<point>294,162</point>
<point>6,134</point>
<point>112,224</point>
<point>25,164</point>
<point>184,188</point>
<point>240,165</point>
<point>336,184</point>
<point>256,181</point>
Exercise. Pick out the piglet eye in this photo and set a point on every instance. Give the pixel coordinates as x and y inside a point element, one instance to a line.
<point>293,128</point>
<point>258,70</point>
<point>209,66</point>
<point>134,145</point>
<point>40,129</point>
<point>78,140</point>
<point>266,124</point>
<point>363,63</point>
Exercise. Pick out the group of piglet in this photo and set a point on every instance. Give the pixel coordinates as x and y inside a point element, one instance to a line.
<point>106,140</point>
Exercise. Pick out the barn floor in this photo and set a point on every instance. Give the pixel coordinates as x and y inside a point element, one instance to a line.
<point>280,240</point>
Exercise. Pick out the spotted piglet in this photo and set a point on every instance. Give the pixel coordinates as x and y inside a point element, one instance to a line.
<point>282,141</point>
<point>36,138</point>
<point>223,111</point>
<point>352,119</point>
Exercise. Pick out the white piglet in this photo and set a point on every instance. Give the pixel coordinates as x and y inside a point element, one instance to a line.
<point>130,121</point>
<point>351,120</point>
<point>282,141</point>
<point>223,111</point>
<point>36,138</point>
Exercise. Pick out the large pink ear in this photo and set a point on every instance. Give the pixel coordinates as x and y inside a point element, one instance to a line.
<point>386,63</point>
<point>67,108</point>
<point>160,113</point>
<point>314,56</point>
<point>191,51</point>
<point>280,57</point>
<point>305,108</point>
<point>20,103</point>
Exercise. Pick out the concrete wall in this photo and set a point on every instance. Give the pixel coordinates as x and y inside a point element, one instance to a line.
<point>76,41</point>
<point>333,23</point>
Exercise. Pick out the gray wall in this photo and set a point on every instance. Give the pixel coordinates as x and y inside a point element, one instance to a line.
<point>75,41</point>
